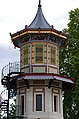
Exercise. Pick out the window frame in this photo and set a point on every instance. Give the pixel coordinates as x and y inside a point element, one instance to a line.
<point>35,53</point>
<point>22,95</point>
<point>57,108</point>
<point>35,102</point>
<point>51,47</point>
<point>40,104</point>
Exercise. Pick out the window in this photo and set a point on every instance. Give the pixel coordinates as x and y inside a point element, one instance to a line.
<point>39,53</point>
<point>25,55</point>
<point>22,105</point>
<point>38,102</point>
<point>53,55</point>
<point>56,103</point>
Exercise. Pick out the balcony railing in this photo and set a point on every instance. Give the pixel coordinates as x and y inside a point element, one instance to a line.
<point>11,67</point>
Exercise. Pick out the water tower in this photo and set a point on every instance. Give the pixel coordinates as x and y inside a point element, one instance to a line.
<point>39,86</point>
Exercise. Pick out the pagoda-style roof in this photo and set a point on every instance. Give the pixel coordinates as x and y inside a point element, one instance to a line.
<point>39,26</point>
<point>39,20</point>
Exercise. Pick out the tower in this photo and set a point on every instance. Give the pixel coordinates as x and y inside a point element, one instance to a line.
<point>39,85</point>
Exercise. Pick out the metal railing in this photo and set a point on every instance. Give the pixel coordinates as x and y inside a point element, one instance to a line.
<point>11,67</point>
<point>4,95</point>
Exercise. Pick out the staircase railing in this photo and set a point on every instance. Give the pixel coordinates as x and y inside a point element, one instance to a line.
<point>10,70</point>
<point>11,67</point>
<point>3,101</point>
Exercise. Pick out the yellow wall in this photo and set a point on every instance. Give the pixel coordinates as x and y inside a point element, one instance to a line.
<point>46,58</point>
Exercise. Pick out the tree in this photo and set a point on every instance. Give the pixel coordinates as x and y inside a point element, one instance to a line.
<point>12,112</point>
<point>69,65</point>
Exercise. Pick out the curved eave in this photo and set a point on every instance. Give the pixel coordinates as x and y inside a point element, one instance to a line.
<point>31,31</point>
<point>67,83</point>
<point>16,44</point>
<point>44,76</point>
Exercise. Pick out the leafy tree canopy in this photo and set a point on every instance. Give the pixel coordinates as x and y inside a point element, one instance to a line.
<point>69,65</point>
<point>12,111</point>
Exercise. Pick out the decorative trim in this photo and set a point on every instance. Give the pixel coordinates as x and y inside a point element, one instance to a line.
<point>14,36</point>
<point>40,67</point>
<point>47,57</point>
<point>30,57</point>
<point>19,102</point>
<point>53,68</point>
<point>38,81</point>
<point>56,93</point>
<point>24,68</point>
<point>22,91</point>
<point>20,57</point>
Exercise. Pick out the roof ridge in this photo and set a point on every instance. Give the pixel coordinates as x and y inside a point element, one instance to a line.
<point>39,20</point>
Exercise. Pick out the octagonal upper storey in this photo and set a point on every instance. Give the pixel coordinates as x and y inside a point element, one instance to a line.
<point>39,45</point>
<point>39,57</point>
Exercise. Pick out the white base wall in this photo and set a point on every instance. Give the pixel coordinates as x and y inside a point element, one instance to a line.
<point>47,112</point>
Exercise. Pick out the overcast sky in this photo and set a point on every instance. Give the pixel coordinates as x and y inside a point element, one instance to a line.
<point>15,14</point>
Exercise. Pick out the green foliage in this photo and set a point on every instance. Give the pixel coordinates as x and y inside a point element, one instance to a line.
<point>73,26</point>
<point>69,65</point>
<point>12,112</point>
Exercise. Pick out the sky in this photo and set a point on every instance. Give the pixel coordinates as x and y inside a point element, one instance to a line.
<point>15,14</point>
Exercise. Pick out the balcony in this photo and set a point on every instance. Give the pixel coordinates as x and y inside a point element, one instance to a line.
<point>12,69</point>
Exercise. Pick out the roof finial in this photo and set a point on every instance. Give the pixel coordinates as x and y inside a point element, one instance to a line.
<point>39,3</point>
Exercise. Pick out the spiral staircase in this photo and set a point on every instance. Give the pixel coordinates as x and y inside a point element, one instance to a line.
<point>8,80</point>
